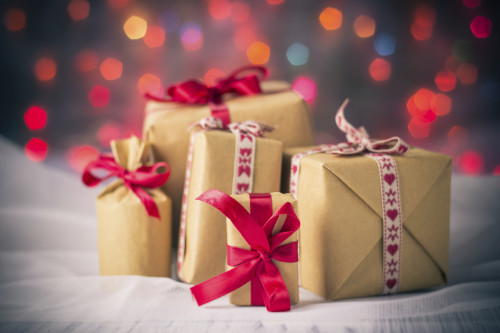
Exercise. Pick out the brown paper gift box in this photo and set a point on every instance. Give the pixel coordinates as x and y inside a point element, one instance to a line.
<point>289,271</point>
<point>212,168</point>
<point>130,241</point>
<point>339,201</point>
<point>166,124</point>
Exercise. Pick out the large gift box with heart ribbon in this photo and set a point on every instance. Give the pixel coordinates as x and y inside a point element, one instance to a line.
<point>239,97</point>
<point>374,213</point>
<point>234,159</point>
<point>133,214</point>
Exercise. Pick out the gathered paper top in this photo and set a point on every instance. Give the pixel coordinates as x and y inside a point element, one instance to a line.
<point>130,153</point>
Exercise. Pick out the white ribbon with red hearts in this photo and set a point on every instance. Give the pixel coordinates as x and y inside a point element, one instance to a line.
<point>358,142</point>
<point>244,160</point>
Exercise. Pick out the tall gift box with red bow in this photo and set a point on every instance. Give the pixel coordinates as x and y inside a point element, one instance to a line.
<point>374,213</point>
<point>133,214</point>
<point>240,96</point>
<point>234,159</point>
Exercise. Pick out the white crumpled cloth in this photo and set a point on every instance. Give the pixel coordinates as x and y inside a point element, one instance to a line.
<point>49,278</point>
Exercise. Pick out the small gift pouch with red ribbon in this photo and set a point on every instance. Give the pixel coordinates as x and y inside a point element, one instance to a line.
<point>375,215</point>
<point>133,214</point>
<point>234,159</point>
<point>262,258</point>
<point>242,95</point>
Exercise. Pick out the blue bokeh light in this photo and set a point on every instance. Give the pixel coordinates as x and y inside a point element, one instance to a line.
<point>297,54</point>
<point>384,44</point>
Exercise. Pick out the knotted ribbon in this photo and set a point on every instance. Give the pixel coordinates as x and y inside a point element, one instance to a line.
<point>358,141</point>
<point>244,158</point>
<point>195,92</point>
<point>144,176</point>
<point>256,263</point>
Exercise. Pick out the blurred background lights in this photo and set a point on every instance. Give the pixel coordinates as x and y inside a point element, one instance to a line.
<point>243,38</point>
<point>150,83</point>
<point>275,2</point>
<point>35,118</point>
<point>219,9</point>
<point>14,19</point>
<point>380,69</point>
<point>481,26</point>
<point>364,26</point>
<point>305,87</point>
<point>154,37</point>
<point>467,73</point>
<point>423,24</point>
<point>258,53</point>
<point>78,9</point>
<point>99,96</point>
<point>115,4</point>
<point>240,11</point>
<point>211,76</point>
<point>384,44</point>
<point>86,60</point>
<point>441,104</point>
<point>79,156</point>
<point>463,50</point>
<point>445,80</point>
<point>471,162</point>
<point>111,69</point>
<point>472,3</point>
<point>108,132</point>
<point>191,36</point>
<point>419,129</point>
<point>45,69</point>
<point>36,149</point>
<point>135,27</point>
<point>330,18</point>
<point>297,54</point>
<point>457,136</point>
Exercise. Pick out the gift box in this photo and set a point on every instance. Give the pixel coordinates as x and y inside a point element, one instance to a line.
<point>374,221</point>
<point>262,232</point>
<point>272,103</point>
<point>202,247</point>
<point>134,221</point>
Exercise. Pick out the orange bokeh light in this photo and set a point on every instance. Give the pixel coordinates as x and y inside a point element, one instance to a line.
<point>258,53</point>
<point>36,149</point>
<point>364,26</point>
<point>150,83</point>
<point>243,38</point>
<point>330,18</point>
<point>422,99</point>
<point>45,69</point>
<point>219,9</point>
<point>445,80</point>
<point>467,73</point>
<point>240,11</point>
<point>79,156</point>
<point>111,69</point>
<point>212,75</point>
<point>421,33</point>
<point>418,128</point>
<point>78,9</point>
<point>86,60</point>
<point>155,36</point>
<point>441,104</point>
<point>135,27</point>
<point>457,135</point>
<point>14,19</point>
<point>380,69</point>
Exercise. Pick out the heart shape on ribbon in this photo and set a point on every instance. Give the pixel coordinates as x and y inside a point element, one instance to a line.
<point>392,214</point>
<point>392,249</point>
<point>391,283</point>
<point>389,178</point>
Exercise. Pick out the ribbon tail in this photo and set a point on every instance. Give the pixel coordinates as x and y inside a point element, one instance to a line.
<point>224,283</point>
<point>274,291</point>
<point>146,200</point>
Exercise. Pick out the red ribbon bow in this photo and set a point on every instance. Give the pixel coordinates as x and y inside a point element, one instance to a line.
<point>268,286</point>
<point>144,176</point>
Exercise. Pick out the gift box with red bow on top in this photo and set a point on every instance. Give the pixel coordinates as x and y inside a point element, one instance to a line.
<point>374,213</point>
<point>239,97</point>
<point>234,159</point>
<point>133,214</point>
<point>262,258</point>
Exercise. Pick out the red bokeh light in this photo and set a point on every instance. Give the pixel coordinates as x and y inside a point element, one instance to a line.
<point>86,60</point>
<point>419,129</point>
<point>441,104</point>
<point>422,99</point>
<point>275,2</point>
<point>35,118</point>
<point>155,36</point>
<point>78,9</point>
<point>421,33</point>
<point>305,87</point>
<point>111,69</point>
<point>108,132</point>
<point>481,26</point>
<point>457,136</point>
<point>192,39</point>
<point>118,3</point>
<point>243,38</point>
<point>472,3</point>
<point>45,69</point>
<point>79,156</point>
<point>99,96</point>
<point>212,75</point>
<point>240,11</point>
<point>467,73</point>
<point>36,149</point>
<point>150,83</point>
<point>445,80</point>
<point>471,162</point>
<point>14,19</point>
<point>380,69</point>
<point>219,9</point>
<point>496,171</point>
<point>425,17</point>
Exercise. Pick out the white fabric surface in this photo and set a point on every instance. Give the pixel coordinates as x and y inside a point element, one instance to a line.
<point>49,274</point>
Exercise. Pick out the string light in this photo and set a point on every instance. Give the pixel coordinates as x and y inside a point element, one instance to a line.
<point>35,118</point>
<point>14,19</point>
<point>258,53</point>
<point>36,149</point>
<point>330,18</point>
<point>135,27</point>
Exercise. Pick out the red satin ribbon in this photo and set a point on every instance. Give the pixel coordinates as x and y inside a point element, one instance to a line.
<point>256,262</point>
<point>195,92</point>
<point>144,176</point>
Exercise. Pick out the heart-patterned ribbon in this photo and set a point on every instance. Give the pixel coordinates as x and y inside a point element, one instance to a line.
<point>195,92</point>
<point>244,160</point>
<point>144,176</point>
<point>255,265</point>
<point>358,141</point>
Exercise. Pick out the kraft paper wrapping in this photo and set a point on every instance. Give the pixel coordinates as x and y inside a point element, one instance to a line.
<point>212,168</point>
<point>165,127</point>
<point>130,241</point>
<point>339,201</point>
<point>289,271</point>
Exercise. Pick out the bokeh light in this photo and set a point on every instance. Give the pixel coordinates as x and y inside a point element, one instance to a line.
<point>78,9</point>
<point>305,87</point>
<point>243,38</point>
<point>297,54</point>
<point>452,63</point>
<point>219,9</point>
<point>421,33</point>
<point>36,149</point>
<point>481,26</point>
<point>258,53</point>
<point>457,136</point>
<point>14,19</point>
<point>150,83</point>
<point>445,80</point>
<point>111,69</point>
<point>380,69</point>
<point>45,69</point>
<point>154,37</point>
<point>472,3</point>
<point>467,73</point>
<point>384,44</point>
<point>135,27</point>
<point>86,60</point>
<point>275,2</point>
<point>35,118</point>
<point>441,104</point>
<point>115,4</point>
<point>211,76</point>
<point>79,156</point>
<point>471,162</point>
<point>423,98</point>
<point>191,36</point>
<point>364,26</point>
<point>425,17</point>
<point>496,171</point>
<point>419,129</point>
<point>240,11</point>
<point>99,96</point>
<point>108,132</point>
<point>330,18</point>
